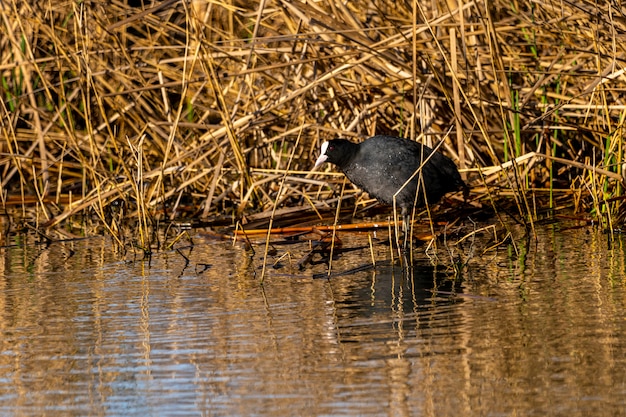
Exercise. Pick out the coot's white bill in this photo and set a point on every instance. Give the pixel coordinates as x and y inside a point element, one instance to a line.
<point>323,157</point>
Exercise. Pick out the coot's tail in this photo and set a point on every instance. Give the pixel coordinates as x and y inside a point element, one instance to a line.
<point>462,186</point>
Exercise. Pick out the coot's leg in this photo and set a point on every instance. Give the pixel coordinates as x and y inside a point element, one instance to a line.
<point>406,227</point>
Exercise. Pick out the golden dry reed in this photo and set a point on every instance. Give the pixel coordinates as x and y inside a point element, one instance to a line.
<point>116,116</point>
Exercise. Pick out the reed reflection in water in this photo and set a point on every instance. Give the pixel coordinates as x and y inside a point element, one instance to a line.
<point>541,333</point>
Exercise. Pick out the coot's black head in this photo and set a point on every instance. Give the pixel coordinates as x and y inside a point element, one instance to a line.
<point>338,152</point>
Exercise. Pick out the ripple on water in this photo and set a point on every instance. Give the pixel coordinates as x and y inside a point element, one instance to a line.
<point>533,331</point>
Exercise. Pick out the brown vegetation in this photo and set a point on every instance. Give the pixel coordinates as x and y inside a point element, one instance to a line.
<point>122,111</point>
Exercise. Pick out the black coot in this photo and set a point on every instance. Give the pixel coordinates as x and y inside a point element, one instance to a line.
<point>381,165</point>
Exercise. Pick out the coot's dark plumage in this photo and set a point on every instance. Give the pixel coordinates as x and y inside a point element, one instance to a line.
<point>381,165</point>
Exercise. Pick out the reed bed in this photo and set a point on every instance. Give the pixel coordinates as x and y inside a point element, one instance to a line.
<point>118,117</point>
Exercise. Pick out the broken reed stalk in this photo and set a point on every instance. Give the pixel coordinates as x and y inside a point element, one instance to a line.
<point>280,190</point>
<point>211,94</point>
<point>334,230</point>
<point>318,228</point>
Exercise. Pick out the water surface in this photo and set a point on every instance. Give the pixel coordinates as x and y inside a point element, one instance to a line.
<point>532,330</point>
